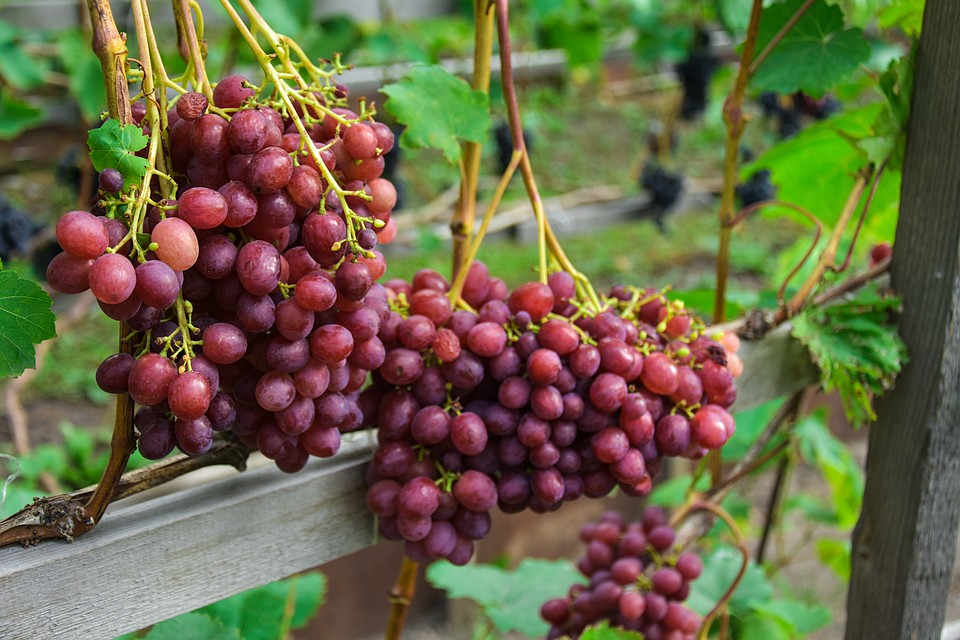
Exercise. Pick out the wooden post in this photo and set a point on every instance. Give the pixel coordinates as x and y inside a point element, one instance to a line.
<point>905,542</point>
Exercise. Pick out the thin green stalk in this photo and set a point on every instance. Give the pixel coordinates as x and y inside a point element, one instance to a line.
<point>735,121</point>
<point>186,29</point>
<point>464,217</point>
<point>457,287</point>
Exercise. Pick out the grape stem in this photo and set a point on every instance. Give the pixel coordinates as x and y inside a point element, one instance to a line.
<point>189,45</point>
<point>111,49</point>
<point>829,254</point>
<point>545,236</point>
<point>461,273</point>
<point>516,131</point>
<point>286,96</point>
<point>747,211</point>
<point>461,226</point>
<point>401,595</point>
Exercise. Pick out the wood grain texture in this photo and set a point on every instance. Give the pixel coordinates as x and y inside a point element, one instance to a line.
<point>773,367</point>
<point>152,560</point>
<point>905,542</point>
<point>156,559</point>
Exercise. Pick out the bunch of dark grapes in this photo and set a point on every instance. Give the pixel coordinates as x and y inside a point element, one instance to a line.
<point>664,188</point>
<point>638,581</point>
<point>529,402</point>
<point>255,305</point>
<point>695,73</point>
<point>756,189</point>
<point>788,110</point>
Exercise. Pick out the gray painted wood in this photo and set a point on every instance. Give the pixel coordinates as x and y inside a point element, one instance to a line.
<point>904,545</point>
<point>155,559</point>
<point>166,556</point>
<point>775,366</point>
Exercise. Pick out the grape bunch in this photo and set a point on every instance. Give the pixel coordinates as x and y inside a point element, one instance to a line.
<point>637,581</point>
<point>252,296</point>
<point>529,402</point>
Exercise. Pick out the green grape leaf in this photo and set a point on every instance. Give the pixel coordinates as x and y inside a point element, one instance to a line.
<point>18,69</point>
<point>757,626</point>
<point>25,321</point>
<point>604,631</point>
<point>510,599</point>
<point>719,570</point>
<point>814,55</point>
<point>734,14</point>
<point>439,110</point>
<point>906,15</point>
<point>835,554</point>
<point>85,76</point>
<point>856,347</point>
<point>16,116</point>
<point>833,459</point>
<point>114,146</point>
<point>259,614</point>
<point>797,168</point>
<point>191,626</point>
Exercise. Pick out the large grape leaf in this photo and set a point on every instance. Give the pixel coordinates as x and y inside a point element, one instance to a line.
<point>114,146</point>
<point>439,110</point>
<point>814,55</point>
<point>802,177</point>
<point>510,599</point>
<point>25,321</point>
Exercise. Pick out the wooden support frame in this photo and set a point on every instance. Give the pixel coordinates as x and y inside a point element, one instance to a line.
<point>904,545</point>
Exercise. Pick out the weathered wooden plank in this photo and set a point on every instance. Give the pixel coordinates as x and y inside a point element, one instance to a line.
<point>152,560</point>
<point>775,366</point>
<point>159,558</point>
<point>904,545</point>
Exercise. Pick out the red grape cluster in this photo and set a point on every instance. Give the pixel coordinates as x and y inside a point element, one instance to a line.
<point>638,581</point>
<point>529,402</point>
<point>254,293</point>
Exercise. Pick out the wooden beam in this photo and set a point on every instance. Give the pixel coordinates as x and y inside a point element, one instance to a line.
<point>152,560</point>
<point>904,545</point>
<point>156,559</point>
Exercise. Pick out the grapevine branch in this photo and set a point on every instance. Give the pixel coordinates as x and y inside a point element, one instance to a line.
<point>401,595</point>
<point>736,122</point>
<point>461,226</point>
